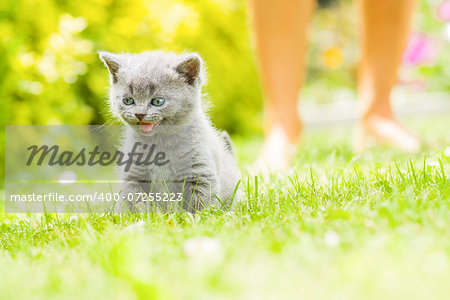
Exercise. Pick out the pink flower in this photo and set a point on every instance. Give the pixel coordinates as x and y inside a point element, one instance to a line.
<point>444,11</point>
<point>420,49</point>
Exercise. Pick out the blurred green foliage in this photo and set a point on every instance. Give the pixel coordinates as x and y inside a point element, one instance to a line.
<point>50,72</point>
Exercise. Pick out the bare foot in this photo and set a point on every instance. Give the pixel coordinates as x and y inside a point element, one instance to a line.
<point>276,153</point>
<point>380,129</point>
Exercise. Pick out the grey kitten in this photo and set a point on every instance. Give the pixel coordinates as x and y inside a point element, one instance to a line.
<point>159,95</point>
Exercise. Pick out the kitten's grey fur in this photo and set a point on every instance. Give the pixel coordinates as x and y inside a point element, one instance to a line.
<point>206,163</point>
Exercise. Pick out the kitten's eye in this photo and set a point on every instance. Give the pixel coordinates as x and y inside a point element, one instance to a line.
<point>157,101</point>
<point>128,101</point>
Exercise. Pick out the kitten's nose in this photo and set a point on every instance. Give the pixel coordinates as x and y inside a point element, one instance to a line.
<point>140,116</point>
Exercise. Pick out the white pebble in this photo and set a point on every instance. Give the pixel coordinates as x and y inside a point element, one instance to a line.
<point>332,238</point>
<point>203,248</point>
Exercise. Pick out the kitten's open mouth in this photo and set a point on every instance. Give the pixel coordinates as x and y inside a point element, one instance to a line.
<point>147,128</point>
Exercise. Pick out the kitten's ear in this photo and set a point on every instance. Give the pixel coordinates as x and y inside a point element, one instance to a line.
<point>189,68</point>
<point>112,62</point>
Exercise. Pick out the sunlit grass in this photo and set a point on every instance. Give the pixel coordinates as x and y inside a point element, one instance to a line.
<point>340,225</point>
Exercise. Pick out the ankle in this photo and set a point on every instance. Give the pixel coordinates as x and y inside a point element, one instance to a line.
<point>291,128</point>
<point>370,114</point>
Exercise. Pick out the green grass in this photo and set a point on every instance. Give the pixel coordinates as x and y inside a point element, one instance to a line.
<point>342,226</point>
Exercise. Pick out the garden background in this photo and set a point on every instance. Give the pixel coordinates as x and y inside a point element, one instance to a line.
<point>50,72</point>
